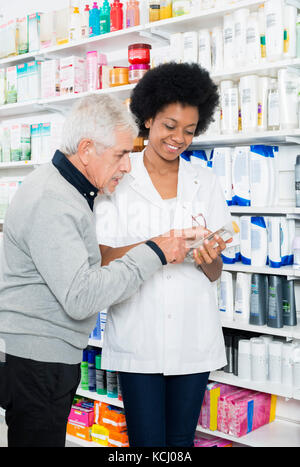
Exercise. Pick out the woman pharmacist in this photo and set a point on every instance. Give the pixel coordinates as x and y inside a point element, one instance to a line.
<point>166,338</point>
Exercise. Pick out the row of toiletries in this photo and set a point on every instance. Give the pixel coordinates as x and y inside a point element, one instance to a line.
<point>245,38</point>
<point>235,411</point>
<point>98,331</point>
<point>258,103</point>
<point>24,141</point>
<point>95,379</point>
<point>97,421</point>
<point>247,174</point>
<point>257,299</point>
<point>262,358</point>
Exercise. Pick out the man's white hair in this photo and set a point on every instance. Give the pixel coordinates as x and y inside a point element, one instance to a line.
<point>96,117</point>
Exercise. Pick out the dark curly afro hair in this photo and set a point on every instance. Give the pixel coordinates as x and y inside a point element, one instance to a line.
<point>185,83</point>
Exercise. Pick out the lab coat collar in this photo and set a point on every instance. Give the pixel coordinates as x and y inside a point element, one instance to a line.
<point>188,181</point>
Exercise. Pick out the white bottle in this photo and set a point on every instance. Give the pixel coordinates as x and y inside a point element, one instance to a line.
<point>274,29</point>
<point>240,25</point>
<point>287,364</point>
<point>275,361</point>
<point>228,42</point>
<point>290,20</point>
<point>241,176</point>
<point>292,233</point>
<point>249,102</point>
<point>242,297</point>
<point>204,49</point>
<point>75,25</point>
<point>244,359</point>
<point>84,26</point>
<point>259,369</point>
<point>274,241</point>
<point>288,99</point>
<point>273,106</point>
<point>262,31</point>
<point>285,241</point>
<point>230,107</point>
<point>245,239</point>
<point>273,194</point>
<point>226,296</point>
<point>176,47</point>
<point>190,47</point>
<point>260,183</point>
<point>263,91</point>
<point>267,339</point>
<point>253,47</point>
<point>222,168</point>
<point>217,62</point>
<point>259,242</point>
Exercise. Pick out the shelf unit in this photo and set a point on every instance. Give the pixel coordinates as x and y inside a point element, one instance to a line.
<point>280,432</point>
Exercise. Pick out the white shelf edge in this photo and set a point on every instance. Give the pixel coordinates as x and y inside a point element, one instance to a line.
<point>272,137</point>
<point>83,442</point>
<point>270,435</point>
<point>282,271</point>
<point>98,397</point>
<point>291,332</point>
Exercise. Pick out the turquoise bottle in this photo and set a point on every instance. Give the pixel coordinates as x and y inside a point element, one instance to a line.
<point>105,18</point>
<point>94,21</point>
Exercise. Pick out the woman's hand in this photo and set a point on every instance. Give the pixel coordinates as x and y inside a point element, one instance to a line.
<point>208,257</point>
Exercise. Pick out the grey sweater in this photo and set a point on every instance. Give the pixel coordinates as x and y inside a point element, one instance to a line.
<point>51,283</point>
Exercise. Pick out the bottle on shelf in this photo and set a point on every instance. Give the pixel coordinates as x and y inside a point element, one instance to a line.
<point>85,15</point>
<point>154,10</point>
<point>94,21</point>
<point>105,18</point>
<point>75,26</point>
<point>297,181</point>
<point>273,106</point>
<point>132,13</point>
<point>116,16</point>
<point>165,9</point>
<point>181,7</point>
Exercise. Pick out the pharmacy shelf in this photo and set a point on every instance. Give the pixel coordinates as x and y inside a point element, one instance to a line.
<point>266,210</point>
<point>289,332</point>
<point>98,397</point>
<point>60,103</point>
<point>17,164</point>
<point>283,271</point>
<point>280,433</point>
<point>263,137</point>
<point>267,386</point>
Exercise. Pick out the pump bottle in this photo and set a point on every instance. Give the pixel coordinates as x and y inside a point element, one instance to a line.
<point>116,16</point>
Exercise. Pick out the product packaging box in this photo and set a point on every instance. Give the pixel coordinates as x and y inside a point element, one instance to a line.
<point>99,409</point>
<point>20,148</point>
<point>6,145</point>
<point>50,79</point>
<point>47,29</point>
<point>34,79</point>
<point>22,82</point>
<point>11,85</point>
<point>2,86</point>
<point>81,432</point>
<point>83,416</point>
<point>72,75</point>
<point>212,442</point>
<point>209,410</point>
<point>36,143</point>
<point>100,434</point>
<point>34,32</point>
<point>114,419</point>
<point>22,27</point>
<point>118,440</point>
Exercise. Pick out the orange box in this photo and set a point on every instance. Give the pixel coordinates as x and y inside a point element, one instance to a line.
<point>99,409</point>
<point>82,432</point>
<point>114,419</point>
<point>119,440</point>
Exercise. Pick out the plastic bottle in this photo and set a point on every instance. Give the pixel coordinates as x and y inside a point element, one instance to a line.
<point>275,312</point>
<point>262,31</point>
<point>260,175</point>
<point>228,42</point>
<point>259,361</point>
<point>289,302</point>
<point>204,49</point>
<point>94,21</point>
<point>165,9</point>
<point>296,252</point>
<point>116,16</point>
<point>245,239</point>
<point>244,359</point>
<point>273,106</point>
<point>253,48</point>
<point>287,363</point>
<point>290,39</point>
<point>92,70</point>
<point>181,7</point>
<point>242,297</point>
<point>241,176</point>
<point>230,107</point>
<point>298,37</point>
<point>259,241</point>
<point>274,241</point>
<point>288,98</point>
<point>100,376</point>
<point>75,26</point>
<point>226,296</point>
<point>241,17</point>
<point>222,168</point>
<point>84,383</point>
<point>274,29</point>
<point>154,10</point>
<point>92,370</point>
<point>258,299</point>
<point>297,181</point>
<point>85,16</point>
<point>275,361</point>
<point>262,116</point>
<point>112,384</point>
<point>249,102</point>
<point>105,18</point>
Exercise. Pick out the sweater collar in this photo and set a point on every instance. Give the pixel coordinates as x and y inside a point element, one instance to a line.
<point>75,177</point>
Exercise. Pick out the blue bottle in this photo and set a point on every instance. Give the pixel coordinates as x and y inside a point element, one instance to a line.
<point>92,370</point>
<point>94,21</point>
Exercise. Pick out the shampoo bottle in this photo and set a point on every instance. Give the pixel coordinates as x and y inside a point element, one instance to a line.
<point>275,311</point>
<point>94,21</point>
<point>259,175</point>
<point>226,296</point>
<point>273,106</point>
<point>290,40</point>
<point>105,18</point>
<point>274,241</point>
<point>116,16</point>
<point>274,29</point>
<point>258,299</point>
<point>241,176</point>
<point>228,42</point>
<point>275,361</point>
<point>259,369</point>
<point>242,297</point>
<point>85,16</point>
<point>245,239</point>
<point>259,242</point>
<point>253,51</point>
<point>244,359</point>
<point>289,302</point>
<point>241,17</point>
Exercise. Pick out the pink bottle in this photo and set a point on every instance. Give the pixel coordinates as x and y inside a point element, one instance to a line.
<point>116,16</point>
<point>92,71</point>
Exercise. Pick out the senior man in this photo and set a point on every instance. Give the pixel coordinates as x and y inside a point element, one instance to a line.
<point>51,283</point>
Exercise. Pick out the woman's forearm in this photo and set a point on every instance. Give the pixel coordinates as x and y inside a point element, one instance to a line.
<point>213,270</point>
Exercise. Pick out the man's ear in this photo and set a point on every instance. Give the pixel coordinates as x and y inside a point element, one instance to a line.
<point>84,150</point>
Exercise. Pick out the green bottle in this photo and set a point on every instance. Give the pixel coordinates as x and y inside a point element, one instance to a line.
<point>84,383</point>
<point>105,18</point>
<point>100,377</point>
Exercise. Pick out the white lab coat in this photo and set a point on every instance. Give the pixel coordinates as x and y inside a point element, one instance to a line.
<point>172,324</point>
